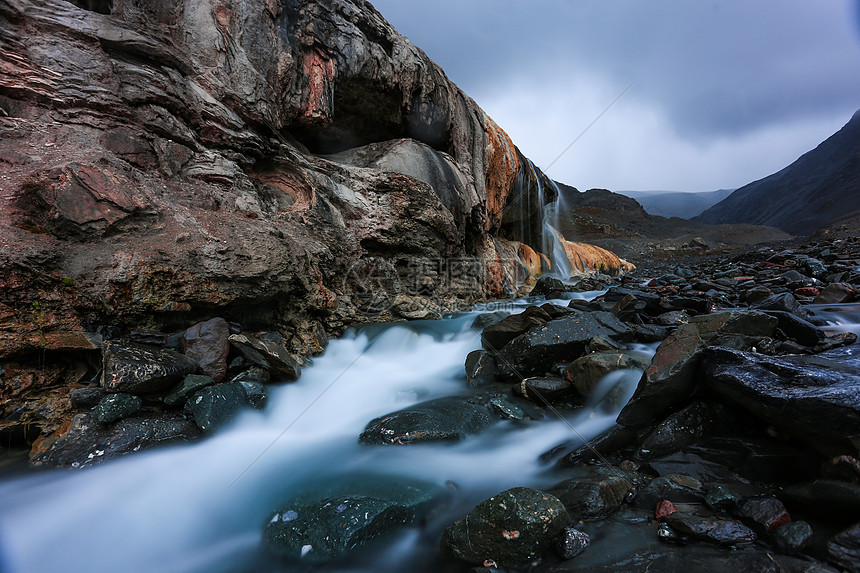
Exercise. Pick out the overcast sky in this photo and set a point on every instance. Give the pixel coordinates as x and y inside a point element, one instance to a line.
<point>724,92</point>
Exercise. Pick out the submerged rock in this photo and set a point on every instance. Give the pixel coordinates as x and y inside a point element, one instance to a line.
<point>440,420</point>
<point>719,531</point>
<point>330,521</point>
<point>512,528</point>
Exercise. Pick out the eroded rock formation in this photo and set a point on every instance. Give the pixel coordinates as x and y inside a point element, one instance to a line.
<point>292,163</point>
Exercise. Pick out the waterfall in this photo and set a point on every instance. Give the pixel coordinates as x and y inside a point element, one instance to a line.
<point>533,214</point>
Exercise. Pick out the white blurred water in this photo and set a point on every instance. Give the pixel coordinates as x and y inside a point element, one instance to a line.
<point>201,506</point>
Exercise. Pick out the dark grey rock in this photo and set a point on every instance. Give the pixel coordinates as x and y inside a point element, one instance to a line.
<point>673,487</point>
<point>571,543</point>
<point>792,537</point>
<point>765,513</point>
<point>562,339</point>
<point>812,397</point>
<point>688,425</point>
<point>215,406</point>
<point>719,531</point>
<point>784,302</point>
<point>253,374</point>
<point>268,353</point>
<point>497,335</point>
<point>114,407</point>
<point>587,371</point>
<point>825,498</point>
<point>256,392</point>
<point>441,420</point>
<point>189,385</point>
<point>86,397</point>
<point>480,368</point>
<point>543,389</point>
<point>512,528</point>
<point>86,443</point>
<point>330,521</point>
<point>844,548</point>
<point>800,330</point>
<point>669,380</point>
<point>138,369</point>
<point>547,285</point>
<point>596,494</point>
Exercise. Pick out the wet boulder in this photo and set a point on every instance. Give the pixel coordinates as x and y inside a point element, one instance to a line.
<point>330,521</point>
<point>497,335</point>
<point>139,369</point>
<point>747,323</point>
<point>798,329</point>
<point>596,494</point>
<point>784,302</point>
<point>86,397</point>
<point>812,397</point>
<point>571,543</point>
<point>673,487</point>
<point>114,407</point>
<point>267,351</point>
<point>189,385</point>
<point>726,532</point>
<point>480,368</point>
<point>684,427</point>
<point>669,380</point>
<point>512,528</point>
<point>441,420</point>
<point>215,406</point>
<point>587,371</point>
<point>547,286</point>
<point>792,537</point>
<point>82,442</point>
<point>207,343</point>
<point>835,293</point>
<point>765,513</point>
<point>844,548</point>
<point>544,389</point>
<point>562,339</point>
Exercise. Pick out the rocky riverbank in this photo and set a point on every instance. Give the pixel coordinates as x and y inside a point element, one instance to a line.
<point>738,448</point>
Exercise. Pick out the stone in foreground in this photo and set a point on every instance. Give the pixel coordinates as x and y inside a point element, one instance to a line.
<point>328,522</point>
<point>512,528</point>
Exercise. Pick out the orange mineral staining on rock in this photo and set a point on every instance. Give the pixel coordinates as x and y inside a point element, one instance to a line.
<point>502,168</point>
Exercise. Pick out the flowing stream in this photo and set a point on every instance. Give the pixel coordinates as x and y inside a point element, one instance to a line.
<point>201,506</point>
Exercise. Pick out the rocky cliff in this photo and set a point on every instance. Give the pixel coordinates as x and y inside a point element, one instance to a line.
<point>297,165</point>
<point>818,188</point>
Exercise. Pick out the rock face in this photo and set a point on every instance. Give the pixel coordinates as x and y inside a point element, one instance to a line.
<point>298,166</point>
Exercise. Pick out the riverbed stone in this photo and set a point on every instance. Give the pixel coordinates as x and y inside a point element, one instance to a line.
<point>267,351</point>
<point>844,548</point>
<point>114,407</point>
<point>215,406</point>
<point>668,380</point>
<point>812,397</point>
<point>207,343</point>
<point>189,385</point>
<point>766,513</point>
<point>480,368</point>
<point>329,521</point>
<point>562,339</point>
<point>683,428</point>
<point>512,528</point>
<point>86,397</point>
<point>676,488</point>
<point>497,335</point>
<point>587,371</point>
<point>784,302</point>
<point>792,537</point>
<point>83,442</point>
<point>441,420</point>
<point>727,532</point>
<point>543,389</point>
<point>571,543</point>
<point>835,293</point>
<point>138,369</point>
<point>596,494</point>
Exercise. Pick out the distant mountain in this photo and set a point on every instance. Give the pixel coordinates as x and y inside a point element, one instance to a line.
<point>677,203</point>
<point>820,187</point>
